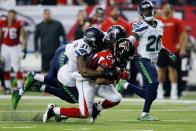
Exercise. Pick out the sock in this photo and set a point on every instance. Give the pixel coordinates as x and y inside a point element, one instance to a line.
<point>144,113</point>
<point>160,91</point>
<point>42,89</point>
<point>19,77</point>
<point>99,107</point>
<point>39,77</point>
<point>19,83</point>
<point>57,110</point>
<point>7,78</point>
<point>137,90</point>
<point>71,112</point>
<point>174,91</point>
<point>21,91</point>
<point>7,84</point>
<point>126,85</point>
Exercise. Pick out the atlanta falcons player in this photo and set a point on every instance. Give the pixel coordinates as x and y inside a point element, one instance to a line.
<point>88,88</point>
<point>11,30</point>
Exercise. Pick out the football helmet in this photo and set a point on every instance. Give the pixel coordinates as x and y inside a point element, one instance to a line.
<point>94,37</point>
<point>123,51</point>
<point>115,33</point>
<point>146,10</point>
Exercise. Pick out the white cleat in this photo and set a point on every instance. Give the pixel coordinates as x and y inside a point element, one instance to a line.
<point>49,113</point>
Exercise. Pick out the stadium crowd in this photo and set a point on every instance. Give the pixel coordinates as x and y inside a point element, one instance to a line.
<point>169,74</point>
<point>93,2</point>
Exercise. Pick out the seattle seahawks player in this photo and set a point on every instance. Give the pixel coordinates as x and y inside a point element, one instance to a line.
<point>102,87</point>
<point>76,54</point>
<point>148,31</point>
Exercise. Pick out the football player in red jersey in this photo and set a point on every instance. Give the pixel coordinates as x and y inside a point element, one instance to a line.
<point>12,34</point>
<point>104,88</point>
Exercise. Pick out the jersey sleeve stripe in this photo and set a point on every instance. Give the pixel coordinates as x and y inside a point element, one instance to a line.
<point>141,29</point>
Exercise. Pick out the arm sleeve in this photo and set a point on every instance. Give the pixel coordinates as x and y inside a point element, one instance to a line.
<point>83,49</point>
<point>139,28</point>
<point>36,36</point>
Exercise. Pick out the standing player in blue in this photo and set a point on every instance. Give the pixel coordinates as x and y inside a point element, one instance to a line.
<point>148,31</point>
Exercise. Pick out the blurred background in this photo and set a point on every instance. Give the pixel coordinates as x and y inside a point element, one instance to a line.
<point>51,23</point>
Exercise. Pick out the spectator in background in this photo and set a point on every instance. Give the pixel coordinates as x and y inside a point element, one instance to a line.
<point>174,39</point>
<point>23,2</point>
<point>83,24</point>
<point>49,31</point>
<point>98,18</point>
<point>115,19</point>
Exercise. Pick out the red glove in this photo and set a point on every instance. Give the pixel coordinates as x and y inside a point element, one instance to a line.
<point>125,75</point>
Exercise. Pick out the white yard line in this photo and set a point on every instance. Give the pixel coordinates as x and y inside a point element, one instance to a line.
<point>109,110</point>
<point>74,129</point>
<point>18,127</point>
<point>123,100</point>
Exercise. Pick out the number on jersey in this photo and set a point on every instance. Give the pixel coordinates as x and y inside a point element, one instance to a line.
<point>11,32</point>
<point>154,43</point>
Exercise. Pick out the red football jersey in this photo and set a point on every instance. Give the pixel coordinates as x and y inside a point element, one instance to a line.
<point>103,59</point>
<point>10,34</point>
<point>172,29</point>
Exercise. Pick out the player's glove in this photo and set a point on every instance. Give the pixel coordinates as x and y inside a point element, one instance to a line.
<point>171,55</point>
<point>108,74</point>
<point>125,75</point>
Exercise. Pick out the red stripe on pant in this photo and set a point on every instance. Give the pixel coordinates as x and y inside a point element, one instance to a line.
<point>108,104</point>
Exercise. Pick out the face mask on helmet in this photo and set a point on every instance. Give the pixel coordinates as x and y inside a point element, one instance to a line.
<point>146,10</point>
<point>123,51</point>
<point>94,38</point>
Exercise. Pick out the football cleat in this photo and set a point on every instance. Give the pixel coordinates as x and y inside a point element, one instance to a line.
<point>29,81</point>
<point>49,113</point>
<point>120,85</point>
<point>36,86</point>
<point>147,117</point>
<point>7,91</point>
<point>95,113</point>
<point>15,98</point>
<point>59,118</point>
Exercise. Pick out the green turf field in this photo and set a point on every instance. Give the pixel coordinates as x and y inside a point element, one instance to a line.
<point>175,116</point>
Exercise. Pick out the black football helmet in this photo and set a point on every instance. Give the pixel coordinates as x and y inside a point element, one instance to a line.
<point>146,10</point>
<point>123,51</point>
<point>115,33</point>
<point>94,37</point>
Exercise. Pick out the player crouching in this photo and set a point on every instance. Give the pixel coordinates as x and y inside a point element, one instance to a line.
<point>88,88</point>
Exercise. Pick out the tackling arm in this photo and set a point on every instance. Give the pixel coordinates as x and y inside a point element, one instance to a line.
<point>85,71</point>
<point>103,81</point>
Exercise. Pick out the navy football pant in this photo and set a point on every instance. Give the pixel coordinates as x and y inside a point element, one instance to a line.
<point>150,81</point>
<point>53,86</point>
